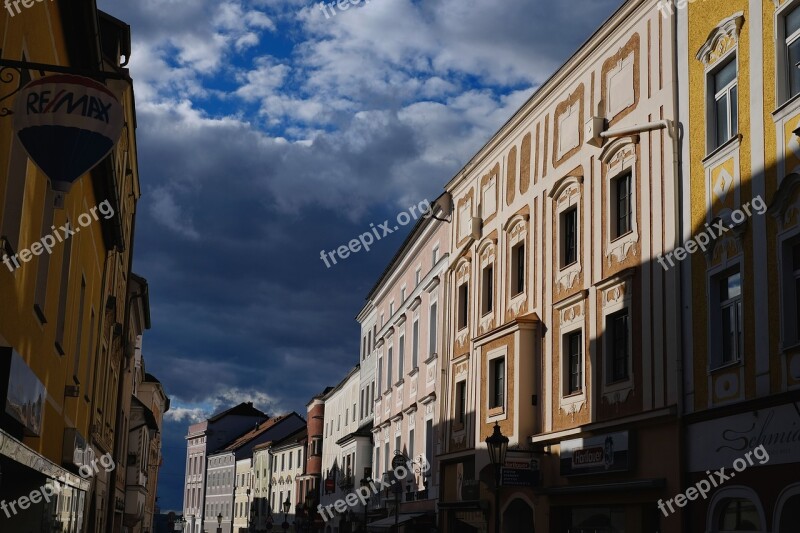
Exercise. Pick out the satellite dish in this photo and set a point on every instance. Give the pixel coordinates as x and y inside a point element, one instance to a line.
<point>67,124</point>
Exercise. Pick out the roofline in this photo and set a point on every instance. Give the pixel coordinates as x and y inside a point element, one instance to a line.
<point>338,387</point>
<point>548,86</point>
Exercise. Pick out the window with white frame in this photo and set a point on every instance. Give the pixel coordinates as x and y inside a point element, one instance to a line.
<point>621,205</point>
<point>487,286</point>
<point>435,254</point>
<point>432,329</point>
<point>401,355</point>
<point>389,368</point>
<point>569,237</point>
<point>403,294</point>
<point>790,25</point>
<point>726,294</point>
<point>415,345</point>
<point>573,358</point>
<point>724,102</point>
<point>617,335</point>
<point>380,375</point>
<point>417,276</point>
<point>497,382</point>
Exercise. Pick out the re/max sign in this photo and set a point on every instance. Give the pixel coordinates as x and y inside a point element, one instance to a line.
<point>85,105</point>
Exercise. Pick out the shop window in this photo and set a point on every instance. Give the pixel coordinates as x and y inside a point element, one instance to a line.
<point>790,515</point>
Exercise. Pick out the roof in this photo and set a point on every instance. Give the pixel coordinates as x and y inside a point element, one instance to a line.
<point>330,392</point>
<point>320,395</point>
<point>150,378</point>
<point>243,409</point>
<point>412,235</point>
<point>293,439</point>
<point>260,429</point>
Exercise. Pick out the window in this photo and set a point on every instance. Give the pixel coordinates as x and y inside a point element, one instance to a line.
<point>380,374</point>
<point>622,205</point>
<point>463,305</point>
<point>283,462</point>
<point>401,356</point>
<point>389,369</point>
<point>518,269</point>
<point>354,413</point>
<point>617,331</point>
<point>729,292</point>
<point>497,382</point>
<point>415,345</point>
<point>290,461</point>
<point>574,358</point>
<point>411,444</point>
<point>377,458</point>
<point>796,273</point>
<point>569,237</point>
<point>792,54</point>
<point>725,109</point>
<point>386,457</point>
<point>429,440</point>
<point>391,309</point>
<point>417,276</point>
<point>738,514</point>
<point>402,295</point>
<point>398,446</point>
<point>435,254</point>
<point>461,402</point>
<point>488,284</point>
<point>432,329</point>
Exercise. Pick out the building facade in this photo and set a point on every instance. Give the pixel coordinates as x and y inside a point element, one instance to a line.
<point>406,308</point>
<point>203,439</point>
<point>288,485</point>
<point>564,327</point>
<point>741,111</point>
<point>68,328</point>
<point>342,451</point>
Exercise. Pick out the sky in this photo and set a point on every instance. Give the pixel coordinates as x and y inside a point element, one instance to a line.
<point>268,132</point>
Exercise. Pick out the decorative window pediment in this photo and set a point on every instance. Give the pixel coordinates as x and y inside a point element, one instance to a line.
<point>723,38</point>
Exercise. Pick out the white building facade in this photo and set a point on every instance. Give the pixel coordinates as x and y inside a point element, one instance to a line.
<point>408,305</point>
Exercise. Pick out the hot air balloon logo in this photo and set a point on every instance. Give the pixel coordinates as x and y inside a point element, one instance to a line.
<point>67,124</point>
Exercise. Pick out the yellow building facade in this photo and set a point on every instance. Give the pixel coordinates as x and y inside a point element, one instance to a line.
<point>740,109</point>
<point>64,332</point>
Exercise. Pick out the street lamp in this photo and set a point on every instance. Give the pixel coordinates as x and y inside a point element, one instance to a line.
<point>497,444</point>
<point>286,506</point>
<point>248,509</point>
<point>219,523</point>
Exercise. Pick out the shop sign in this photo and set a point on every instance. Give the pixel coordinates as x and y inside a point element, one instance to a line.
<point>719,442</point>
<point>595,455</point>
<point>25,396</point>
<point>67,124</point>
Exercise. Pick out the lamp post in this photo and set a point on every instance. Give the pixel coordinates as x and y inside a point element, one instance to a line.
<point>248,508</point>
<point>497,444</point>
<point>286,506</point>
<point>219,523</point>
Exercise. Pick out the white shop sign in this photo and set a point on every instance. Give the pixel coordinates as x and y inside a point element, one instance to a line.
<point>717,443</point>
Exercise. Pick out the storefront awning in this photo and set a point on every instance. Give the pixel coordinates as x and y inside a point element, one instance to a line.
<point>389,522</point>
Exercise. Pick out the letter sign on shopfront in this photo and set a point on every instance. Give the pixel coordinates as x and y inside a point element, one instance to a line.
<point>67,124</point>
<point>595,455</point>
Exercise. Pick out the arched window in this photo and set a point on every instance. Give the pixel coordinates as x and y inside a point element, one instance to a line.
<point>737,514</point>
<point>787,511</point>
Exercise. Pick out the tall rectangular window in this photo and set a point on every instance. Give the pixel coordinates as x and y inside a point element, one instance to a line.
<point>569,237</point>
<point>622,205</point>
<point>401,356</point>
<point>729,287</point>
<point>62,298</point>
<point>398,446</point>
<point>79,332</point>
<point>488,289</point>
<point>429,440</point>
<point>792,53</point>
<point>617,330</point>
<point>461,402</point>
<point>574,357</point>
<point>432,329</point>
<point>724,89</point>
<point>497,387</point>
<point>386,455</point>
<point>389,369</point>
<point>411,443</point>
<point>415,345</point>
<point>380,375</point>
<point>463,305</point>
<point>518,269</point>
